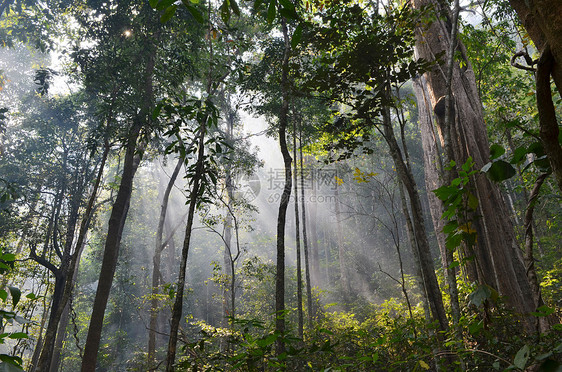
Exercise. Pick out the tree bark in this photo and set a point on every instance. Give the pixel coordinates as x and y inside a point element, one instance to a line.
<point>549,130</point>
<point>543,324</point>
<point>180,284</point>
<point>543,21</point>
<point>69,268</point>
<point>311,310</point>
<point>424,253</point>
<point>111,249</point>
<point>300,316</point>
<point>156,260</point>
<point>500,262</point>
<point>285,196</point>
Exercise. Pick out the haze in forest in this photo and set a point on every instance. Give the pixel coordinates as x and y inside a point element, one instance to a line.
<point>280,185</point>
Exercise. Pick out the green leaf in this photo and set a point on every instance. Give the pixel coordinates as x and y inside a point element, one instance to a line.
<point>16,294</point>
<point>472,202</point>
<point>234,7</point>
<point>522,357</point>
<point>499,170</point>
<point>8,257</point>
<point>194,11</point>
<point>257,4</point>
<point>543,311</point>
<point>496,151</point>
<point>297,35</point>
<point>164,4</point>
<point>168,13</point>
<point>481,294</point>
<point>225,11</point>
<point>271,11</point>
<point>3,295</point>
<point>10,363</point>
<point>18,335</point>
<point>153,3</point>
<point>519,155</point>
<point>445,192</point>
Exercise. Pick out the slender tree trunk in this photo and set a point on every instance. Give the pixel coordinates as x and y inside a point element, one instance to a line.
<point>65,316</point>
<point>70,269</point>
<point>415,254</point>
<point>346,290</point>
<point>297,237</point>
<point>111,250</point>
<point>180,285</point>
<point>311,310</point>
<point>315,256</point>
<point>285,196</point>
<point>156,274</point>
<point>426,261</point>
<point>543,324</point>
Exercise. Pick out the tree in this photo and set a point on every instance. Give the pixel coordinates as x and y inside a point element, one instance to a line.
<point>496,252</point>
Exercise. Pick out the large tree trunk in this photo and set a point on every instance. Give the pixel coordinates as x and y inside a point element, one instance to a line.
<point>496,251</point>
<point>543,21</point>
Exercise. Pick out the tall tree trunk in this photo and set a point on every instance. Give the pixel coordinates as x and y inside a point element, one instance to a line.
<point>346,290</point>
<point>426,261</point>
<point>314,254</point>
<point>180,284</point>
<point>156,274</point>
<point>65,316</point>
<point>300,316</point>
<point>46,355</point>
<point>285,196</point>
<point>496,250</point>
<point>415,254</point>
<point>111,249</point>
<point>311,310</point>
<point>543,324</point>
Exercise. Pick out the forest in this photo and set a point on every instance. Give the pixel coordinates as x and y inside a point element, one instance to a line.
<point>280,185</point>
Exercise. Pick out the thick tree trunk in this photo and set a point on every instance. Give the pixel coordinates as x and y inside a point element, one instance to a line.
<point>549,129</point>
<point>500,263</point>
<point>543,21</point>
